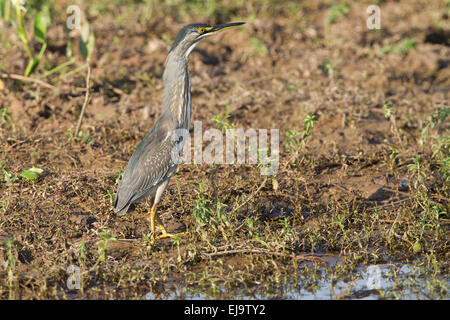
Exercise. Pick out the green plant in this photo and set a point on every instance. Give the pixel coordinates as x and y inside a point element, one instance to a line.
<point>335,12</point>
<point>438,116</point>
<point>177,242</point>
<point>339,221</point>
<point>266,166</point>
<point>291,86</point>
<point>10,264</point>
<point>402,47</point>
<point>32,173</point>
<point>8,177</point>
<point>252,230</point>
<point>259,46</point>
<point>297,141</point>
<point>82,137</point>
<point>407,45</point>
<point>5,9</point>
<point>418,171</point>
<point>103,245</point>
<point>286,228</point>
<point>328,69</point>
<point>118,176</point>
<point>393,156</point>
<point>445,169</point>
<point>41,21</point>
<point>3,206</point>
<point>388,110</point>
<point>82,251</point>
<point>4,115</point>
<point>206,213</point>
<point>220,217</point>
<point>85,137</point>
<point>110,196</point>
<point>308,124</point>
<point>201,210</point>
<point>87,41</point>
<point>291,139</point>
<point>221,120</point>
<point>442,145</point>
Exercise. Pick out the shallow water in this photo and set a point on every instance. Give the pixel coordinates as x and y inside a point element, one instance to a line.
<point>366,283</point>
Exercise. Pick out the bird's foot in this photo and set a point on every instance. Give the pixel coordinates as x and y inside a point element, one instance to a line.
<point>169,235</point>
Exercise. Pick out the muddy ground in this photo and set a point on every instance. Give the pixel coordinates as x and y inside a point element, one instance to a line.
<point>368,184</point>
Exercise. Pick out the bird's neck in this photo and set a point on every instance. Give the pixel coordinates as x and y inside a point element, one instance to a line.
<point>177,90</point>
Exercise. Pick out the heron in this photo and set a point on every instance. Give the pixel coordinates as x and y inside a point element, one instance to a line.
<point>152,164</point>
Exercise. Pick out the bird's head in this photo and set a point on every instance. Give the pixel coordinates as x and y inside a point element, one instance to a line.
<point>192,34</point>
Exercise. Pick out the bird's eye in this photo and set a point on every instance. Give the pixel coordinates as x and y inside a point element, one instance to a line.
<point>201,30</point>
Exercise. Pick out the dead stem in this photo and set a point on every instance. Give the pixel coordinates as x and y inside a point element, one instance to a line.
<point>86,99</point>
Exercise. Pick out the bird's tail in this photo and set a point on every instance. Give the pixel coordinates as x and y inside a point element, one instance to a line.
<point>120,210</point>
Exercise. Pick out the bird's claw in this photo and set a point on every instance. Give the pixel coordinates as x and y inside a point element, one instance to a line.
<point>169,235</point>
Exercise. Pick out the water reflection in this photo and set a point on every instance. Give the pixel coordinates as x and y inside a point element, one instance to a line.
<point>370,282</point>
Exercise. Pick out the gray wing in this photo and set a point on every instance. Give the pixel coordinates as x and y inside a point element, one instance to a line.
<point>150,165</point>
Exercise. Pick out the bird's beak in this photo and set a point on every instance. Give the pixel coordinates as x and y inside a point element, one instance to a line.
<point>221,27</point>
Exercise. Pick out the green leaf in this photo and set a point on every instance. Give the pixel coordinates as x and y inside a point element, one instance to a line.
<point>416,247</point>
<point>32,173</point>
<point>40,27</point>
<point>22,34</point>
<point>86,42</point>
<point>5,9</point>
<point>335,12</point>
<point>31,66</point>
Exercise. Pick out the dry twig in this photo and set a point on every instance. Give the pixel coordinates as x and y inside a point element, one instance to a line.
<point>26,79</point>
<point>86,99</point>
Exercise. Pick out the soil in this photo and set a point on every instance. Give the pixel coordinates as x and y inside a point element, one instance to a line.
<point>285,63</point>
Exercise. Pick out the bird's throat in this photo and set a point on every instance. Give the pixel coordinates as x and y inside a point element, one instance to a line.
<point>177,91</point>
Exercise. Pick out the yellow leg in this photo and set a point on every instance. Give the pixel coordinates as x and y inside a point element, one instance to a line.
<point>152,219</point>
<point>165,234</point>
<point>154,215</point>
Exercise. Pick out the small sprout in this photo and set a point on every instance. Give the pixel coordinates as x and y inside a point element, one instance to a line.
<point>328,68</point>
<point>103,244</point>
<point>110,195</point>
<point>41,21</point>
<point>403,47</point>
<point>4,115</point>
<point>291,139</point>
<point>252,227</point>
<point>308,122</point>
<point>118,176</point>
<point>31,174</point>
<point>201,211</point>
<point>285,226</point>
<point>335,12</point>
<point>221,120</point>
<point>259,46</point>
<point>388,110</point>
<point>407,44</point>
<point>295,141</point>
<point>82,251</point>
<point>417,168</point>
<point>85,137</point>
<point>291,86</point>
<point>416,247</point>
<point>445,169</point>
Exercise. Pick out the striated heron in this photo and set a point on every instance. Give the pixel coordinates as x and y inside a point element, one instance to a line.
<point>152,164</point>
